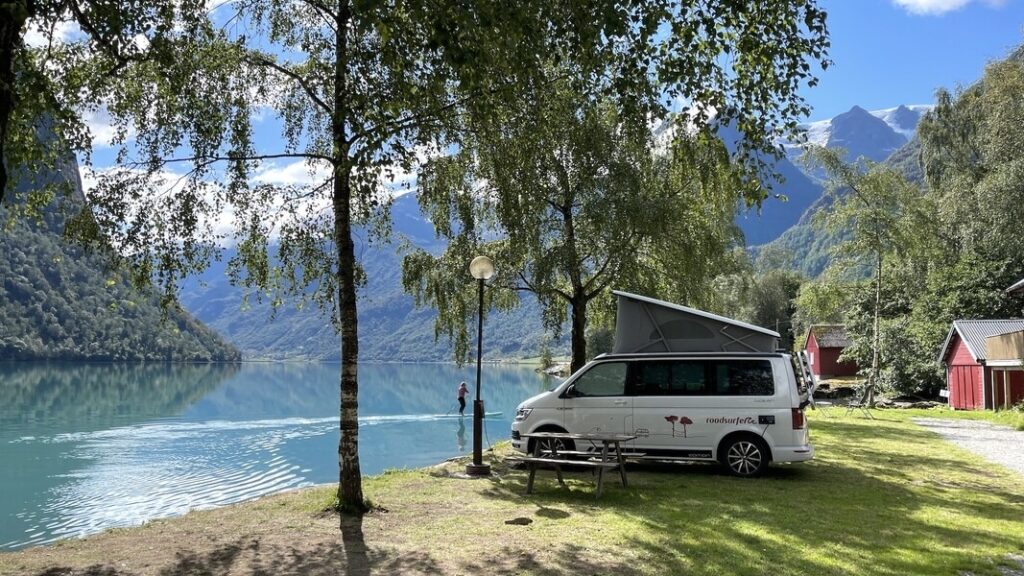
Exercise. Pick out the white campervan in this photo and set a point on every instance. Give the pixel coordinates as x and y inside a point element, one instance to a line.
<point>743,410</point>
<point>688,385</point>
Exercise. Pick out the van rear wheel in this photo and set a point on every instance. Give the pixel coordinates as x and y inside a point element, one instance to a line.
<point>542,445</point>
<point>745,456</point>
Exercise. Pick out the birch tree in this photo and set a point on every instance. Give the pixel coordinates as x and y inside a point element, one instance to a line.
<point>570,200</point>
<point>882,216</point>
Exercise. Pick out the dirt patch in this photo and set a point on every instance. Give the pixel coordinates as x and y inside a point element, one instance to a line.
<point>291,534</point>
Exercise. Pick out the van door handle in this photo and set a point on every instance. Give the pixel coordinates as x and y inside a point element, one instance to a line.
<point>620,402</point>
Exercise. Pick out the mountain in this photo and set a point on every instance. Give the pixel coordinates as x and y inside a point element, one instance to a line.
<point>788,200</point>
<point>808,246</point>
<point>391,328</point>
<point>874,135</point>
<point>62,302</point>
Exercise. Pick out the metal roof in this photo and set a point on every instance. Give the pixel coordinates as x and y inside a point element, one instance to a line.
<point>1018,287</point>
<point>974,332</point>
<point>831,335</point>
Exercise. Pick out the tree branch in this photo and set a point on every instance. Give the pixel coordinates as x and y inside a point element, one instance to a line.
<point>207,160</point>
<point>323,10</point>
<point>260,60</point>
<point>102,41</point>
<point>597,275</point>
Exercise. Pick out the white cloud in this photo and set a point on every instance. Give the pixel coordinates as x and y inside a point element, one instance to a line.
<point>101,127</point>
<point>298,173</point>
<point>394,181</point>
<point>38,36</point>
<point>939,7</point>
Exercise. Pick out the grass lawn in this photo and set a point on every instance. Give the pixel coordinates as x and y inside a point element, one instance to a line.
<point>882,497</point>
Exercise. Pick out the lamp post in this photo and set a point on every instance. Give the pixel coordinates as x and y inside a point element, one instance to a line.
<point>482,269</point>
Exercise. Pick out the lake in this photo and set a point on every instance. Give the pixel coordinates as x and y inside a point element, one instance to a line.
<point>85,447</point>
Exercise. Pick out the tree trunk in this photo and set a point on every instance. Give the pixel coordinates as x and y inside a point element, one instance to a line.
<point>873,378</point>
<point>579,333</point>
<point>578,299</point>
<point>12,19</point>
<point>350,486</point>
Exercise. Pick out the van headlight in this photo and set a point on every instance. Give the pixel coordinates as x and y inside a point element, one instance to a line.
<point>522,414</point>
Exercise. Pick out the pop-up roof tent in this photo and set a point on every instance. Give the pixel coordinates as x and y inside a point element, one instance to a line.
<point>646,325</point>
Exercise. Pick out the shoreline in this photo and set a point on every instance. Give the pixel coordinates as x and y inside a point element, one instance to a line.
<point>679,518</point>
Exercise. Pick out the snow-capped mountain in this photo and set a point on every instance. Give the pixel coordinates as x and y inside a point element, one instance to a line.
<point>872,134</point>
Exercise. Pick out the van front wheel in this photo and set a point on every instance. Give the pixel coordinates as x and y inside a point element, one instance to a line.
<point>745,456</point>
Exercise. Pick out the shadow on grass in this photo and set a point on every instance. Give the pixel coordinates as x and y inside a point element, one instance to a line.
<point>351,556</point>
<point>878,499</point>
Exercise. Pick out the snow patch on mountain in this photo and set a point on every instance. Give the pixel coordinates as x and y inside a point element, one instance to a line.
<point>903,119</point>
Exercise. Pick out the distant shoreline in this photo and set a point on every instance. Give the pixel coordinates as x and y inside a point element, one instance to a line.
<point>513,361</point>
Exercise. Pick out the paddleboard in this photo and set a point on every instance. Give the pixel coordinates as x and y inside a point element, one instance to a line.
<point>469,414</point>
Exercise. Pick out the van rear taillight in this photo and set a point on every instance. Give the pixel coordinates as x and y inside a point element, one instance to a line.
<point>798,418</point>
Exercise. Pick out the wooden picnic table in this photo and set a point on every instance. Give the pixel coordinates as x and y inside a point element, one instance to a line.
<point>609,457</point>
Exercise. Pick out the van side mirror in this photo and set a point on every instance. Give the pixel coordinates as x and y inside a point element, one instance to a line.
<point>570,392</point>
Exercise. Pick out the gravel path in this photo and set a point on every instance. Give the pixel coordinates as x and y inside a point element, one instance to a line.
<point>994,443</point>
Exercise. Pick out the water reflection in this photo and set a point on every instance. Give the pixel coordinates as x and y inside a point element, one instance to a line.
<point>79,396</point>
<point>460,436</point>
<point>87,447</point>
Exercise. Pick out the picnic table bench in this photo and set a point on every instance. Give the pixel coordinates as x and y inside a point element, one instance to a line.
<point>610,457</point>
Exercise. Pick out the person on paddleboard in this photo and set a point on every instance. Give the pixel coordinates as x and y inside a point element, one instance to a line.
<point>463,390</point>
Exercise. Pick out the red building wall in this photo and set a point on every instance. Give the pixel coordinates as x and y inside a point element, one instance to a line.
<point>964,378</point>
<point>826,360</point>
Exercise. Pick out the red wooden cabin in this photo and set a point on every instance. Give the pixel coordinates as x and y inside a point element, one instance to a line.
<point>975,382</point>
<point>825,342</point>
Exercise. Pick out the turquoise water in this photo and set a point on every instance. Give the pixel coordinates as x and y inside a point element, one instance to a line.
<point>88,447</point>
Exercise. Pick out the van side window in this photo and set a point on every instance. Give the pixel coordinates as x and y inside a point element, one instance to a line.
<point>671,378</point>
<point>606,379</point>
<point>689,378</point>
<point>652,378</point>
<point>744,378</point>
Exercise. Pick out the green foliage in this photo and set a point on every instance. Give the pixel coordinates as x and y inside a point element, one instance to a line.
<point>546,359</point>
<point>569,189</point>
<point>60,301</point>
<point>821,301</point>
<point>47,89</point>
<point>886,217</point>
<point>600,340</point>
<point>763,297</point>
<point>972,162</point>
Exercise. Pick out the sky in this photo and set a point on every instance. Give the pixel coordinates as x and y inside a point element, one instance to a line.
<point>884,53</point>
<point>891,52</point>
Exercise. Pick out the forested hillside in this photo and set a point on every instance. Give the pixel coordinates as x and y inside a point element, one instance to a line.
<point>808,246</point>
<point>390,327</point>
<point>946,248</point>
<point>59,301</point>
